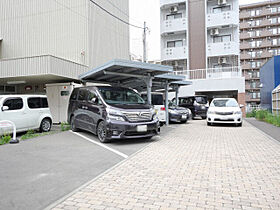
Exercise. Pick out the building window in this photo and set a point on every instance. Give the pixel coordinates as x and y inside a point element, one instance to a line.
<point>177,43</point>
<point>224,38</point>
<point>174,16</point>
<point>274,42</point>
<point>253,44</point>
<point>221,9</point>
<point>273,9</point>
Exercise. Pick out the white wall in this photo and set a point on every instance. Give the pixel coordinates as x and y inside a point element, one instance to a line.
<point>212,85</point>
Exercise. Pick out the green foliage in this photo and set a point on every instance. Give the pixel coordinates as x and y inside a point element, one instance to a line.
<point>268,117</point>
<point>252,114</point>
<point>32,134</point>
<point>65,126</point>
<point>5,139</point>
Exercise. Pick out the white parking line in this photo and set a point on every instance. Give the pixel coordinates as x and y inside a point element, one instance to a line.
<point>101,145</point>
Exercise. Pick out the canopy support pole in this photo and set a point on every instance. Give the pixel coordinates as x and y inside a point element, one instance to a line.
<point>176,94</point>
<point>149,82</point>
<point>166,103</point>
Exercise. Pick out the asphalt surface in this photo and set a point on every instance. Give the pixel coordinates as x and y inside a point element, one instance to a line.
<point>267,128</point>
<point>38,172</point>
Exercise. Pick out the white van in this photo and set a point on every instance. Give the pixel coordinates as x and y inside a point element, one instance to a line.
<point>26,112</point>
<point>158,103</point>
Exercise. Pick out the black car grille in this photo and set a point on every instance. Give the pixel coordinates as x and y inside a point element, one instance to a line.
<point>226,120</point>
<point>224,113</point>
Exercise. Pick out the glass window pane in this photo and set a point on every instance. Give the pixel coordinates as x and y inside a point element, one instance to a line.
<point>45,103</point>
<point>179,43</point>
<point>170,44</point>
<point>34,103</point>
<point>14,104</point>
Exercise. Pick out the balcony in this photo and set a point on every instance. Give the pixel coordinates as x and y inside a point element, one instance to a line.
<point>245,56</point>
<point>246,66</point>
<point>167,2</point>
<point>223,18</point>
<point>244,25</point>
<point>174,25</point>
<point>211,73</point>
<point>244,14</point>
<point>244,35</point>
<point>222,49</point>
<point>174,53</point>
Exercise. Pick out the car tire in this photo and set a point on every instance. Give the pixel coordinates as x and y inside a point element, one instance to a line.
<point>240,125</point>
<point>73,125</point>
<point>45,125</point>
<point>209,124</point>
<point>203,118</point>
<point>101,132</point>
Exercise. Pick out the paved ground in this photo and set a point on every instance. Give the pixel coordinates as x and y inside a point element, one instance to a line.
<point>193,167</point>
<point>267,128</point>
<point>37,172</point>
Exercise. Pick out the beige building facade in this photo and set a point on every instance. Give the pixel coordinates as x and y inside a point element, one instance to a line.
<point>259,41</point>
<point>57,39</point>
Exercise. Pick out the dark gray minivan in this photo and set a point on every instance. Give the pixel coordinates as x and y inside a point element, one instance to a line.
<point>112,113</point>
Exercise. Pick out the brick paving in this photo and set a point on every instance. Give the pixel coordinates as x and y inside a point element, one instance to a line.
<point>192,167</point>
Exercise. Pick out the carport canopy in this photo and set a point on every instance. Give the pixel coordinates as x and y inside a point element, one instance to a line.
<point>124,72</point>
<point>137,75</point>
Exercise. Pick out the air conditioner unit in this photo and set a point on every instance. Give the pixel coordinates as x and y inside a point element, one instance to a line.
<point>216,32</point>
<point>222,60</point>
<point>174,9</point>
<point>222,2</point>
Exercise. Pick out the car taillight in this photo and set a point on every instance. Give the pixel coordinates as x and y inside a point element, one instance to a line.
<point>162,108</point>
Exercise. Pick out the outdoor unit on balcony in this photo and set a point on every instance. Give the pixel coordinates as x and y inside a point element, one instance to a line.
<point>174,9</point>
<point>214,32</point>
<point>222,2</point>
<point>222,60</point>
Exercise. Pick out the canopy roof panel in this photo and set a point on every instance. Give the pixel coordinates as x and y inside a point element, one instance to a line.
<point>119,71</point>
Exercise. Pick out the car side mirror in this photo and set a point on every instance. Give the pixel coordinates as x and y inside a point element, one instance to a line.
<point>5,108</point>
<point>241,106</point>
<point>94,100</point>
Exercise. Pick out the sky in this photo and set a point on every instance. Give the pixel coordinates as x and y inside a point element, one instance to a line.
<point>148,10</point>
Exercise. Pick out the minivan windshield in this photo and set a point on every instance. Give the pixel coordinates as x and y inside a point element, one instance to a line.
<point>224,103</point>
<point>201,99</point>
<point>117,95</point>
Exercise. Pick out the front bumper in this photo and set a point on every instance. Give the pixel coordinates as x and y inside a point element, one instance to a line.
<point>178,117</point>
<point>128,130</point>
<point>234,118</point>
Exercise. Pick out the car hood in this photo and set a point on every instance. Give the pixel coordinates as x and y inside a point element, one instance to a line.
<point>224,109</point>
<point>131,106</point>
<point>177,108</point>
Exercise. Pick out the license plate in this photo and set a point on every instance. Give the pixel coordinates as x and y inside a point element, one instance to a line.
<point>223,118</point>
<point>142,128</point>
<point>184,117</point>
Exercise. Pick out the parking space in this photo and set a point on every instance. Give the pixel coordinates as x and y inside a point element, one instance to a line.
<point>37,172</point>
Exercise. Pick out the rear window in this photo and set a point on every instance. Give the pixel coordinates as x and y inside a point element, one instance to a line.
<point>201,99</point>
<point>74,94</point>
<point>37,103</point>
<point>14,103</point>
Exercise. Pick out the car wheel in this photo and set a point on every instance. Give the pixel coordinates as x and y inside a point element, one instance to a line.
<point>102,132</point>
<point>240,125</point>
<point>46,125</point>
<point>209,124</point>
<point>203,118</point>
<point>73,125</point>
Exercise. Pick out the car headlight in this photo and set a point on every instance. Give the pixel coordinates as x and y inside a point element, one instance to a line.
<point>237,112</point>
<point>211,112</point>
<point>114,114</point>
<point>172,111</point>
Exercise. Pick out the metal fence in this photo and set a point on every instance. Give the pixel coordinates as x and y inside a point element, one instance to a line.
<point>211,73</point>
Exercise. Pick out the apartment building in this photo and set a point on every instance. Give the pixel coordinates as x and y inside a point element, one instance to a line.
<point>43,41</point>
<point>200,39</point>
<point>259,41</point>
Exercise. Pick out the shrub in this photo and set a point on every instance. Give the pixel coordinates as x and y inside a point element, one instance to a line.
<point>65,126</point>
<point>261,114</point>
<point>5,139</point>
<point>268,117</point>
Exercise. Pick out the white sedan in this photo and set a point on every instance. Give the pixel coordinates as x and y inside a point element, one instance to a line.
<point>224,110</point>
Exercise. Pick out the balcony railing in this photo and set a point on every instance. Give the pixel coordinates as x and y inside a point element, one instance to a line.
<point>172,53</point>
<point>223,48</point>
<point>223,18</point>
<point>174,25</point>
<point>211,73</point>
<point>166,2</point>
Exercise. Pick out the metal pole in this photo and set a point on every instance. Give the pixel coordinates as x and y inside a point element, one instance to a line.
<point>166,103</point>
<point>176,95</point>
<point>149,82</point>
<point>145,43</point>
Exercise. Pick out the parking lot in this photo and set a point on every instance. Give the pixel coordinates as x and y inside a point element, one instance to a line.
<point>37,172</point>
